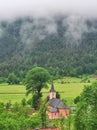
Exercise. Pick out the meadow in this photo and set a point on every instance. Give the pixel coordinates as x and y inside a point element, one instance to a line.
<point>68,87</point>
<point>13,93</point>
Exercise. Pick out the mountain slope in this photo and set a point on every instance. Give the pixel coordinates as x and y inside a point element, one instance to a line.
<point>64,45</point>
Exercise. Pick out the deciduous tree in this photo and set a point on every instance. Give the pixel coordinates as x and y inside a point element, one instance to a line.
<point>36,79</point>
<point>86,115</point>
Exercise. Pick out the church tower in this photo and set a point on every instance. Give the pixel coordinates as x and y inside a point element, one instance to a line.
<point>52,92</point>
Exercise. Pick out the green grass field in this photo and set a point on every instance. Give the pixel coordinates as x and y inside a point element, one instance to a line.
<point>15,93</point>
<point>68,88</point>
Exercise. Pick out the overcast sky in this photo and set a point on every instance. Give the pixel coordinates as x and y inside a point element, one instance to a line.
<point>20,8</point>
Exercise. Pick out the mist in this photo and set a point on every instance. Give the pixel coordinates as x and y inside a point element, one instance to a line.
<point>45,8</point>
<point>41,27</point>
<point>43,14</point>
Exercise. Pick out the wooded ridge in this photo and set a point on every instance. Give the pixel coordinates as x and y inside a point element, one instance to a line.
<point>61,45</point>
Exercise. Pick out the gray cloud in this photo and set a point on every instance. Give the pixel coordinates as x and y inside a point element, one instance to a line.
<point>77,10</point>
<point>41,27</point>
<point>10,9</point>
<point>76,26</point>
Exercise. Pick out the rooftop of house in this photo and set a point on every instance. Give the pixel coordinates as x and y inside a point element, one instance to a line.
<point>53,110</point>
<point>57,103</point>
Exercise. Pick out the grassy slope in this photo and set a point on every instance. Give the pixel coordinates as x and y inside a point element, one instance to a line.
<point>68,88</point>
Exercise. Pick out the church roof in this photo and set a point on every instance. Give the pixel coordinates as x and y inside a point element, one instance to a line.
<point>52,88</point>
<point>53,110</point>
<point>57,103</point>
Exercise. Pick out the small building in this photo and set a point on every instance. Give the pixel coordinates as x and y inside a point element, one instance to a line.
<point>56,108</point>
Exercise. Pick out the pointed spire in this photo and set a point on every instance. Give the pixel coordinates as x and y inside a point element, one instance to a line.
<point>52,88</point>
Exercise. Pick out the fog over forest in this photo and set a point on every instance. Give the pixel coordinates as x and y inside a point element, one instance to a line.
<point>45,8</point>
<point>59,35</point>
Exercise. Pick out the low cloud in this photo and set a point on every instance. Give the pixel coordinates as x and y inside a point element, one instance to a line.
<point>43,14</point>
<point>37,30</point>
<point>76,26</point>
<point>42,8</point>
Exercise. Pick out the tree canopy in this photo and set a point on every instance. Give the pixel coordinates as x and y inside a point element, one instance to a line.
<point>12,79</point>
<point>86,116</point>
<point>36,79</point>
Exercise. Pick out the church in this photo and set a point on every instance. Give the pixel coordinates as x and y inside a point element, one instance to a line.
<point>56,108</point>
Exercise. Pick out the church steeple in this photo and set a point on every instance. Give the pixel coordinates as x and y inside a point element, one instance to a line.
<point>52,92</point>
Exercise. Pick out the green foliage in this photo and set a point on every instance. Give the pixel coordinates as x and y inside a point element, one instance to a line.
<point>1,107</point>
<point>34,121</point>
<point>57,95</point>
<point>18,120</point>
<point>2,80</point>
<point>23,102</point>
<point>95,72</point>
<point>29,102</point>
<point>12,79</point>
<point>3,125</point>
<point>8,105</point>
<point>36,79</point>
<point>36,100</point>
<point>63,123</point>
<point>43,115</point>
<point>87,109</point>
<point>77,99</point>
<point>16,107</point>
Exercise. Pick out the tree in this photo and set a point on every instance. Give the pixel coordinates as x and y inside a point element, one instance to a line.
<point>77,99</point>
<point>2,80</point>
<point>57,95</point>
<point>12,79</point>
<point>36,100</point>
<point>43,115</point>
<point>36,79</point>
<point>23,102</point>
<point>86,114</point>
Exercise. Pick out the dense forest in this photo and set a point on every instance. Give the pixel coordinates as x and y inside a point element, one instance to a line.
<point>64,45</point>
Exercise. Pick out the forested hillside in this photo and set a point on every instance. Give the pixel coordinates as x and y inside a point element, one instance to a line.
<point>64,45</point>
